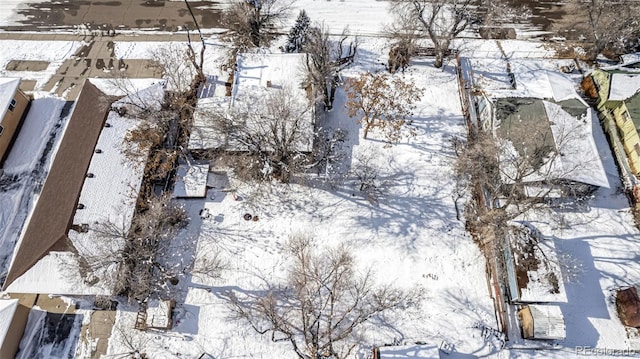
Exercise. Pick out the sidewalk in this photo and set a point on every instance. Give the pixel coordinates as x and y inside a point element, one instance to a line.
<point>138,36</point>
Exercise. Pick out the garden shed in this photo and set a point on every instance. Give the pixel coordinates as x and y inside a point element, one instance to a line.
<point>160,314</point>
<point>191,181</point>
<point>542,322</point>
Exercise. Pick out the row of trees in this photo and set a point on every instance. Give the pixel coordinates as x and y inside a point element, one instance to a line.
<point>611,25</point>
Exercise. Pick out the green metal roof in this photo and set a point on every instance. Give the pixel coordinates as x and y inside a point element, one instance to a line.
<point>524,122</point>
<point>633,105</point>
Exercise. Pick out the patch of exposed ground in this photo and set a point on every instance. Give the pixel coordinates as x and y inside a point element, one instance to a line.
<point>27,65</point>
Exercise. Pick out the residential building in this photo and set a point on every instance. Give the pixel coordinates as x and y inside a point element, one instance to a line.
<point>618,102</point>
<point>541,116</point>
<point>90,180</point>
<point>13,106</point>
<point>258,77</point>
<point>13,319</point>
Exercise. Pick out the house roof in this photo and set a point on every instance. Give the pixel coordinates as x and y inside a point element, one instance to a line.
<point>623,86</point>
<point>191,180</point>
<point>548,322</point>
<point>633,106</point>
<point>8,88</point>
<point>630,59</point>
<point>108,196</point>
<point>159,313</point>
<point>534,271</point>
<point>8,309</point>
<point>53,212</point>
<point>566,126</point>
<point>259,76</point>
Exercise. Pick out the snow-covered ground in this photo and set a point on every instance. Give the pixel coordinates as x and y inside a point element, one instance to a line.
<point>411,238</point>
<point>32,50</point>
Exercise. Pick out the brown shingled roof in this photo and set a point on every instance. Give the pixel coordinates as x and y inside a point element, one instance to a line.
<point>51,219</point>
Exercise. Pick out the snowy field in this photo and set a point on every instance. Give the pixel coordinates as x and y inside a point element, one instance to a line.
<point>55,54</point>
<point>412,239</point>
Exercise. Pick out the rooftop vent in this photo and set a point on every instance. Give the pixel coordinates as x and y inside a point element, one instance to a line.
<point>80,228</point>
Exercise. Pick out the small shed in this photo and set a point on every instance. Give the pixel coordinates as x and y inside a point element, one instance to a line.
<point>160,314</point>
<point>542,322</point>
<point>191,180</point>
<point>628,305</point>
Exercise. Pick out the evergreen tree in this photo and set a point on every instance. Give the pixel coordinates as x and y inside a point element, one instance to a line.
<point>298,34</point>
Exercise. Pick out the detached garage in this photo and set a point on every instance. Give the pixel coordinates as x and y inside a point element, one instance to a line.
<point>542,322</point>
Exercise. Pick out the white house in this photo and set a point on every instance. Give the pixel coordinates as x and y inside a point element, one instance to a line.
<point>258,78</point>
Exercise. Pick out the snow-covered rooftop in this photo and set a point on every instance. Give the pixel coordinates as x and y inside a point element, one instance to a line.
<point>259,78</point>
<point>203,135</point>
<point>537,78</point>
<point>623,86</point>
<point>191,180</point>
<point>8,88</point>
<point>8,309</point>
<point>159,313</point>
<point>108,196</point>
<point>578,158</point>
<point>540,79</point>
<point>630,58</point>
<point>548,322</point>
<point>263,72</point>
<point>539,288</point>
<point>55,273</point>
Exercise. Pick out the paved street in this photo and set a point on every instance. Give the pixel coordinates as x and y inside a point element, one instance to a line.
<point>119,14</point>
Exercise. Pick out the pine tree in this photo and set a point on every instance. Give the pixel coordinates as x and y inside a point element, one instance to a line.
<point>298,34</point>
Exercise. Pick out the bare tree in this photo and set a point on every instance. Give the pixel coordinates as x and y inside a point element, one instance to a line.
<point>500,12</point>
<point>404,33</point>
<point>252,23</point>
<point>211,265</point>
<point>127,258</point>
<point>442,20</point>
<point>382,102</point>
<point>368,180</point>
<point>322,304</point>
<point>327,58</point>
<point>609,23</point>
<point>328,152</point>
<point>277,138</point>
